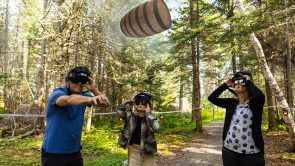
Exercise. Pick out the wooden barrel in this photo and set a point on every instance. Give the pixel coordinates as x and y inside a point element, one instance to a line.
<point>146,19</point>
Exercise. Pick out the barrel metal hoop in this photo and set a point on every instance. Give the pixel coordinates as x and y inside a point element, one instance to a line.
<point>122,22</point>
<point>138,23</point>
<point>146,18</point>
<point>158,17</point>
<point>129,20</point>
<point>126,27</point>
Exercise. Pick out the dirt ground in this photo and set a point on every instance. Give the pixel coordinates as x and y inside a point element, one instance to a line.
<point>206,150</point>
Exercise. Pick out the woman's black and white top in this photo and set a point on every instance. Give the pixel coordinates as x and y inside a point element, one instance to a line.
<point>239,136</point>
<point>256,102</point>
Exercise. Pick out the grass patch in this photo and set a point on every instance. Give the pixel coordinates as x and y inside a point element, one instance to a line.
<point>113,160</point>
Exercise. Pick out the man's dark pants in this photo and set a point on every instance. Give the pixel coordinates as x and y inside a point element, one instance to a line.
<point>73,159</point>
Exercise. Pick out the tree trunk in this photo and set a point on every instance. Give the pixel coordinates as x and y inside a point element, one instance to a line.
<point>181,94</point>
<point>199,125</point>
<point>234,63</point>
<point>25,67</point>
<point>272,124</point>
<point>107,81</point>
<point>15,59</point>
<point>102,67</point>
<point>230,14</point>
<point>240,54</point>
<point>100,55</point>
<point>78,45</point>
<point>120,93</point>
<point>92,61</point>
<point>288,64</point>
<point>88,119</point>
<point>99,68</point>
<point>114,93</point>
<point>287,116</point>
<point>41,71</point>
<point>5,58</point>
<point>196,111</point>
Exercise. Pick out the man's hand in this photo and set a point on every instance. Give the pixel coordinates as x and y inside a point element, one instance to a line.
<point>99,100</point>
<point>91,84</point>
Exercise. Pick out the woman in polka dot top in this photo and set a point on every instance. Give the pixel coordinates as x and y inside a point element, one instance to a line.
<point>242,136</point>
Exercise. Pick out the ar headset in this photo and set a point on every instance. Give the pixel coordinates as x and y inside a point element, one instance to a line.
<point>144,98</point>
<point>239,77</point>
<point>78,74</point>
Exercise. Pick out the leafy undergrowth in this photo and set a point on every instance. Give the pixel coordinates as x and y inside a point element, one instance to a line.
<point>20,152</point>
<point>277,149</point>
<point>100,148</point>
<point>100,144</point>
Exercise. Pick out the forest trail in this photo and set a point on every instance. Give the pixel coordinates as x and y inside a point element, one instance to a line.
<point>204,151</point>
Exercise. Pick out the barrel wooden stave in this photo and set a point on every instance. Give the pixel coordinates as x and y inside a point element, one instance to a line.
<point>146,19</point>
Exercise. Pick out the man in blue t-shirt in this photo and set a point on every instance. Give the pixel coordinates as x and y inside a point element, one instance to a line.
<point>65,117</point>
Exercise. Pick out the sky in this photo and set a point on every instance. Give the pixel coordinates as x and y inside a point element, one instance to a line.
<point>173,4</point>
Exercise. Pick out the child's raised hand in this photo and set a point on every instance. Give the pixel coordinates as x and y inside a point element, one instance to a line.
<point>148,108</point>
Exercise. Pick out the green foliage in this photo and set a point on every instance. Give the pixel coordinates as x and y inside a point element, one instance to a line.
<point>207,116</point>
<point>35,32</point>
<point>211,113</point>
<point>101,142</point>
<point>175,122</point>
<point>1,109</point>
<point>112,160</point>
<point>280,124</point>
<point>20,152</point>
<point>107,123</point>
<point>4,76</point>
<point>280,127</point>
<point>175,128</point>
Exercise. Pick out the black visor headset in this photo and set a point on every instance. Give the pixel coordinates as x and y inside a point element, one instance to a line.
<point>143,98</point>
<point>239,77</point>
<point>78,74</point>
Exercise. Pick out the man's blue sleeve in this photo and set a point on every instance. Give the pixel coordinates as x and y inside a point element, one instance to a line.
<point>88,94</point>
<point>55,95</point>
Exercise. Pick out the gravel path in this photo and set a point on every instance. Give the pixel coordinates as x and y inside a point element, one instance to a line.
<point>205,151</point>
